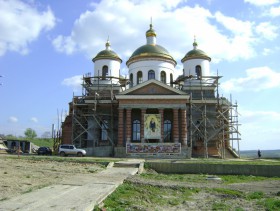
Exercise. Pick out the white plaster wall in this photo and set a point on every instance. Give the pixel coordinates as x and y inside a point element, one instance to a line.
<point>145,66</point>
<point>189,67</point>
<point>151,40</point>
<point>113,69</point>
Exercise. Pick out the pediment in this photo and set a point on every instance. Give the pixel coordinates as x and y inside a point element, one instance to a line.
<point>152,87</point>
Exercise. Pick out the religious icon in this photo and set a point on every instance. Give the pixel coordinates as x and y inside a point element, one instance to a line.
<point>152,125</point>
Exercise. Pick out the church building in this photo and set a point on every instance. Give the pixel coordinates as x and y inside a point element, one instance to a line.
<point>151,113</point>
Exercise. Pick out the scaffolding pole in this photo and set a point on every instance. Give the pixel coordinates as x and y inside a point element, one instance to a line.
<point>217,125</point>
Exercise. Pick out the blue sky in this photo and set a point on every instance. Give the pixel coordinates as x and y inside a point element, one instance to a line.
<point>46,46</point>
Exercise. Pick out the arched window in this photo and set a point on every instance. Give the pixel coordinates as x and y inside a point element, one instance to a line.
<point>167,130</point>
<point>104,130</point>
<point>151,74</point>
<point>139,77</point>
<point>171,79</point>
<point>104,72</point>
<point>163,77</point>
<point>198,71</point>
<point>131,80</point>
<point>136,130</point>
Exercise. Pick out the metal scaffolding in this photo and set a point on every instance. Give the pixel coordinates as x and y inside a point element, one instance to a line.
<point>213,120</point>
<point>93,112</point>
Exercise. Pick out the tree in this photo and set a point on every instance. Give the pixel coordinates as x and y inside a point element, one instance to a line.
<point>10,136</point>
<point>30,133</point>
<point>46,134</point>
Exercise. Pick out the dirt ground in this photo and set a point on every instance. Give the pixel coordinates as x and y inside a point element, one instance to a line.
<point>206,197</point>
<point>20,176</point>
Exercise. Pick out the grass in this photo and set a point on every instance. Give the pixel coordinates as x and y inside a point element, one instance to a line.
<point>34,188</point>
<point>130,196</point>
<point>271,204</point>
<point>220,206</point>
<point>3,199</point>
<point>255,195</point>
<point>229,193</point>
<point>176,177</point>
<point>214,161</point>
<point>146,197</point>
<point>201,178</point>
<point>43,142</point>
<point>229,179</point>
<point>152,197</point>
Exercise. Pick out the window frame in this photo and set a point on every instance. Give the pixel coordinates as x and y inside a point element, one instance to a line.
<point>136,130</point>
<point>198,71</point>
<point>151,75</point>
<point>105,72</point>
<point>167,130</point>
<point>104,130</point>
<point>163,76</point>
<point>139,77</point>
<point>131,80</point>
<point>171,79</point>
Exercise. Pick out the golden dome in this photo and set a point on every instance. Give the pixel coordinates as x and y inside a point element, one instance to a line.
<point>151,32</point>
<point>107,54</point>
<point>195,54</point>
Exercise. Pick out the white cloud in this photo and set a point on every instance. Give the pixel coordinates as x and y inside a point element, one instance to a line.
<point>240,35</point>
<point>13,119</point>
<point>175,27</point>
<point>259,129</point>
<point>64,44</point>
<point>255,117</point>
<point>267,30</point>
<point>274,11</point>
<point>21,23</point>
<point>262,2</point>
<point>237,27</point>
<point>73,82</point>
<point>266,51</point>
<point>34,119</point>
<point>257,79</point>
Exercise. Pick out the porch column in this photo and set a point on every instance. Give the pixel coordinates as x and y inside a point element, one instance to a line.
<point>184,126</point>
<point>175,126</point>
<point>120,128</point>
<point>161,112</point>
<point>143,112</point>
<point>128,125</point>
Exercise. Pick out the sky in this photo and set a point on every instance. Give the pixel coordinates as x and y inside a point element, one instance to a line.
<point>46,46</point>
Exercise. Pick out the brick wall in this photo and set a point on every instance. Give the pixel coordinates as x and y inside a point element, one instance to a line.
<point>67,131</point>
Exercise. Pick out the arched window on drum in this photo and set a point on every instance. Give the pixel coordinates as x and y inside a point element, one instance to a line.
<point>131,80</point>
<point>171,79</point>
<point>198,71</point>
<point>104,72</point>
<point>163,77</point>
<point>151,74</point>
<point>139,77</point>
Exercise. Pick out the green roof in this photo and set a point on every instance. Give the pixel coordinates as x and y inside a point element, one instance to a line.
<point>196,54</point>
<point>107,54</point>
<point>151,51</point>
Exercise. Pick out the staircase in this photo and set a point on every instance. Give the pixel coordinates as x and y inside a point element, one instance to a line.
<point>230,153</point>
